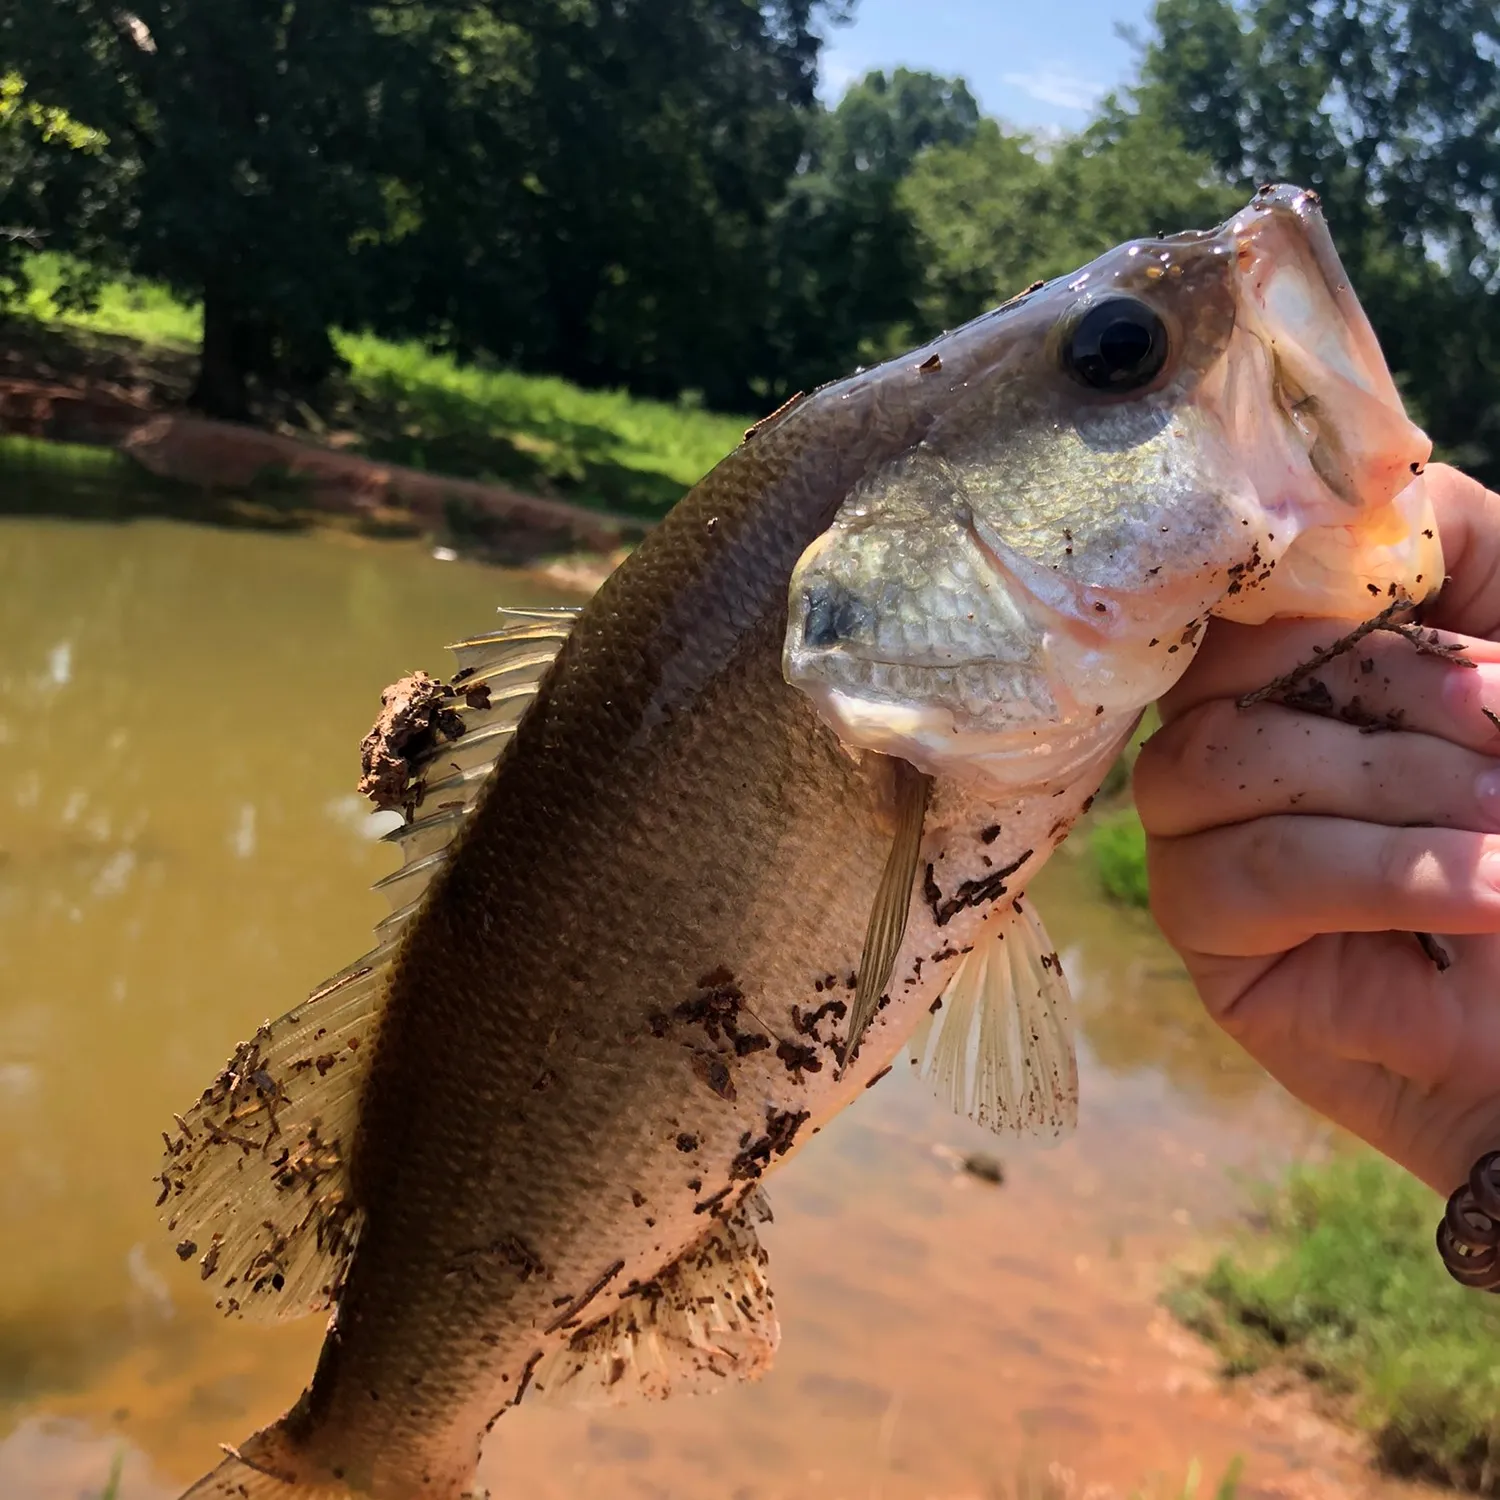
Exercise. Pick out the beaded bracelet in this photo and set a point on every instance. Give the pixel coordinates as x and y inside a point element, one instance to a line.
<point>1468,1238</point>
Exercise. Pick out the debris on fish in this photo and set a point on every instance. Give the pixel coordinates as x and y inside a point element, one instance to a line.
<point>684,872</point>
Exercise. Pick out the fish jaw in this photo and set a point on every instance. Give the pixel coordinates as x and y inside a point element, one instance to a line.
<point>1335,472</point>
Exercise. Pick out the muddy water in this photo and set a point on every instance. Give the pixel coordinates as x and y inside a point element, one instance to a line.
<point>181,856</point>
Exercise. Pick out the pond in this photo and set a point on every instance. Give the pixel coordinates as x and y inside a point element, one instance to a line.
<point>182,855</point>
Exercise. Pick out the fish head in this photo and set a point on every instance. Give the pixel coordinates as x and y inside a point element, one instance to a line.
<point>1198,424</point>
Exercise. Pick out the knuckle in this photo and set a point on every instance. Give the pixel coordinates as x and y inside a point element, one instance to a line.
<point>1391,862</point>
<point>1265,854</point>
<point>1182,760</point>
<point>1180,887</point>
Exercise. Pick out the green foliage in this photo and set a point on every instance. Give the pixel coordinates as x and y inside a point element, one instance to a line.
<point>998,212</point>
<point>1342,1283</point>
<point>1117,843</point>
<point>584,186</point>
<point>647,194</point>
<point>603,448</point>
<point>127,307</point>
<point>1227,1487</point>
<point>111,1489</point>
<point>1390,109</point>
<point>404,403</point>
<point>848,250</point>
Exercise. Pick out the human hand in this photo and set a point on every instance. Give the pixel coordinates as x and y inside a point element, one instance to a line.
<point>1292,857</point>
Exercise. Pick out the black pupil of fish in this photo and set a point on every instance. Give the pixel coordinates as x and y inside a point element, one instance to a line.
<point>1117,345</point>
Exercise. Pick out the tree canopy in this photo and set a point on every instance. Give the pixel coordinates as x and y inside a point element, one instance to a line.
<point>650,193</point>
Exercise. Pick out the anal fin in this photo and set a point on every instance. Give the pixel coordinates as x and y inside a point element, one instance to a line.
<point>999,1047</point>
<point>706,1319</point>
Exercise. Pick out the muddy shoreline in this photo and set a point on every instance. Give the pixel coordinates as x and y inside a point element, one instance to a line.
<point>573,545</point>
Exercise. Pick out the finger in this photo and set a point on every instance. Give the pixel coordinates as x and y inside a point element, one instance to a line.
<point>1219,764</point>
<point>1258,888</point>
<point>1383,682</point>
<point>1469,524</point>
<point>1363,1030</point>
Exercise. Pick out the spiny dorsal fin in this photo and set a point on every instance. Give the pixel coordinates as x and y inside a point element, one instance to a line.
<point>706,1319</point>
<point>255,1180</point>
<point>999,1048</point>
<point>496,681</point>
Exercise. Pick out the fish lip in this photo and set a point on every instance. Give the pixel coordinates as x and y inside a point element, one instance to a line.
<point>1330,377</point>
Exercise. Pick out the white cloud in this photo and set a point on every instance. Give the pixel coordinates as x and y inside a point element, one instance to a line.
<point>1057,87</point>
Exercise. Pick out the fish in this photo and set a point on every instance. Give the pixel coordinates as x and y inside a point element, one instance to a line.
<point>687,870</point>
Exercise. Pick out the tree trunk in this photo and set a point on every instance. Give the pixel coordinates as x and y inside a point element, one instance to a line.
<point>221,390</point>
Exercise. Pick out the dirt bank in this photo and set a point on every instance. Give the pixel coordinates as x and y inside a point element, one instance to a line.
<point>111,396</point>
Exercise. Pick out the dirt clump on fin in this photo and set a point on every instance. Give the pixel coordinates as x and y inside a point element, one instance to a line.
<point>415,712</point>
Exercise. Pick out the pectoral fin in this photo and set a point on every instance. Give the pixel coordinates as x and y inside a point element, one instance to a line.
<point>887,925</point>
<point>999,1047</point>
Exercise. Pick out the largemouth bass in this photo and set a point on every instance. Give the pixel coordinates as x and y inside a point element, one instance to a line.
<point>685,873</point>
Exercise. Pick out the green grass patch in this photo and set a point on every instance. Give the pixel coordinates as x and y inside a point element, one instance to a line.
<point>130,309</point>
<point>99,484</point>
<point>606,448</point>
<point>1340,1281</point>
<point>1117,844</point>
<point>403,403</point>
<point>111,1489</point>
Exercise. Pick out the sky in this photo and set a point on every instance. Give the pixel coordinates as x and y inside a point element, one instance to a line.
<point>1039,64</point>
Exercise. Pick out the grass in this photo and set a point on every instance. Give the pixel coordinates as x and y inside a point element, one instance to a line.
<point>1116,840</point>
<point>1117,843</point>
<point>127,309</point>
<point>1340,1282</point>
<point>111,1489</point>
<point>403,403</point>
<point>1227,1487</point>
<point>614,450</point>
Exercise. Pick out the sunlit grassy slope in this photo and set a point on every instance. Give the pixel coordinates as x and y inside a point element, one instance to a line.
<point>406,404</point>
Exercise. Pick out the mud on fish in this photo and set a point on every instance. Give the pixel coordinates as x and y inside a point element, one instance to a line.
<point>687,870</point>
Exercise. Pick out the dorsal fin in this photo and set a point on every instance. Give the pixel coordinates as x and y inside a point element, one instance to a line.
<point>497,678</point>
<point>255,1180</point>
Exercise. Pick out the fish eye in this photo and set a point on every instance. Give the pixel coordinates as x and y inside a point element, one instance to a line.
<point>1119,344</point>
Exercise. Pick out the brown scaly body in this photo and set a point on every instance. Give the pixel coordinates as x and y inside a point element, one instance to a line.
<point>589,1052</point>
<point>671,819</point>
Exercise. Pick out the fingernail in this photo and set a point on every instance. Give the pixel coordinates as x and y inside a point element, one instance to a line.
<point>1489,867</point>
<point>1487,794</point>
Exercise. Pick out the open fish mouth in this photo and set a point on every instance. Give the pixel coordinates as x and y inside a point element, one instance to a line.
<point>1363,525</point>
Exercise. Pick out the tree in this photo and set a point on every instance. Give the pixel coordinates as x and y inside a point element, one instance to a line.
<point>1003,210</point>
<point>1391,110</point>
<point>252,144</point>
<point>581,185</point>
<point>847,252</point>
<point>603,202</point>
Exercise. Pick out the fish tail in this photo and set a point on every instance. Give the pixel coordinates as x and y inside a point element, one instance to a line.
<point>268,1467</point>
